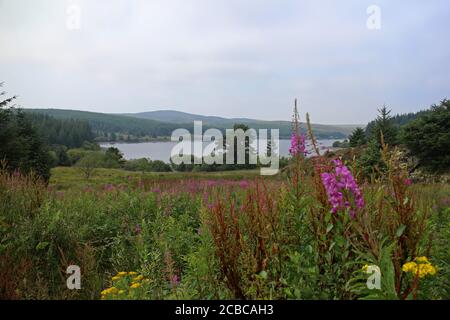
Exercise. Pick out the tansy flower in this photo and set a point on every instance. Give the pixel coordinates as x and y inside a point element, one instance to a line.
<point>122,273</point>
<point>113,290</point>
<point>132,273</point>
<point>104,292</point>
<point>410,267</point>
<point>422,269</point>
<point>138,278</point>
<point>422,259</point>
<point>365,267</point>
<point>135,285</point>
<point>426,269</point>
<point>116,278</point>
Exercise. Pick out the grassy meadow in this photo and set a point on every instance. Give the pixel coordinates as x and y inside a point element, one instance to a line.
<point>225,235</point>
<point>66,178</point>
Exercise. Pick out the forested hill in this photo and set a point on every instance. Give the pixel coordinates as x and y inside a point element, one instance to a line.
<point>135,127</point>
<point>172,116</point>
<point>401,119</point>
<point>113,127</point>
<point>68,132</point>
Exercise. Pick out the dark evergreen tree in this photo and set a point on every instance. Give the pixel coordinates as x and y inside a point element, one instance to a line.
<point>21,146</point>
<point>370,160</point>
<point>68,132</point>
<point>428,137</point>
<point>358,137</point>
<point>114,158</point>
<point>384,124</point>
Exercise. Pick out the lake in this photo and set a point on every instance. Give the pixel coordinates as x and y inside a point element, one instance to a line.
<point>160,150</point>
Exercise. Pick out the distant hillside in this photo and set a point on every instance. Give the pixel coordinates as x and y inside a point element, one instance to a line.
<point>322,131</point>
<point>157,124</point>
<point>114,127</point>
<point>183,117</point>
<point>71,133</point>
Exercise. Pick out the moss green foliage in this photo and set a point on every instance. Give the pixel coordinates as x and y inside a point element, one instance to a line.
<point>146,165</point>
<point>341,144</point>
<point>21,146</point>
<point>72,133</point>
<point>428,137</point>
<point>357,138</point>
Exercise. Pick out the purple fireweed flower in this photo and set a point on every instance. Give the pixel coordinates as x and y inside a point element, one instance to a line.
<point>244,184</point>
<point>211,183</point>
<point>174,281</point>
<point>108,187</point>
<point>156,190</point>
<point>408,182</point>
<point>298,145</point>
<point>342,184</point>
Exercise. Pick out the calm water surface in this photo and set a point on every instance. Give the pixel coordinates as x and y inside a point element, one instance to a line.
<point>160,150</point>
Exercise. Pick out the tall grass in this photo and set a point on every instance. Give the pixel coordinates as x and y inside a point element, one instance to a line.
<point>221,237</point>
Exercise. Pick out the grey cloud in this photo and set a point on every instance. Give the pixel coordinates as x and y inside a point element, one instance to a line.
<point>230,58</point>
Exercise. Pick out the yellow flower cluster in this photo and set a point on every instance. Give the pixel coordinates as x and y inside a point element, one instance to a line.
<point>420,267</point>
<point>135,285</point>
<point>112,290</point>
<point>132,280</point>
<point>137,281</point>
<point>422,259</point>
<point>138,278</point>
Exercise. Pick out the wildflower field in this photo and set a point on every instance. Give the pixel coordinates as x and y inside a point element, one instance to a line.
<point>311,232</point>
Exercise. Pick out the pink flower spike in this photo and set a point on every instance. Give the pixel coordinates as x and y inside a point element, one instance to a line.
<point>342,184</point>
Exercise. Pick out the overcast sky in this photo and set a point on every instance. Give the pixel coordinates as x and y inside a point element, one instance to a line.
<point>233,58</point>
